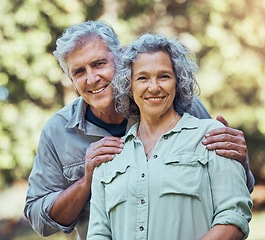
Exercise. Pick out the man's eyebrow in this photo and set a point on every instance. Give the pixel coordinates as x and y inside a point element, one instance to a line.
<point>99,60</point>
<point>93,62</point>
<point>73,70</point>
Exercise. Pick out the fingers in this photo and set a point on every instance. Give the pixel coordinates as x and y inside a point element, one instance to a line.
<point>106,142</point>
<point>102,151</point>
<point>226,138</point>
<point>227,142</point>
<point>232,155</point>
<point>229,150</point>
<point>225,130</point>
<point>222,120</point>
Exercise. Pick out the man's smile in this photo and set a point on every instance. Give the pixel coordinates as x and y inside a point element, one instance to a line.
<point>99,90</point>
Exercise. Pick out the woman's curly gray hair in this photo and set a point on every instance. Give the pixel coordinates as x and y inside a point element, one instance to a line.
<point>184,66</point>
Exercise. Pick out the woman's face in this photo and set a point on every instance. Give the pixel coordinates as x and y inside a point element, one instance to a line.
<point>153,83</point>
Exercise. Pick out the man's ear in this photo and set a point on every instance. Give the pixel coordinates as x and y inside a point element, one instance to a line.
<point>73,84</point>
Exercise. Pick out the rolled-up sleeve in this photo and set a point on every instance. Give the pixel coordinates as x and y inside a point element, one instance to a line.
<point>250,181</point>
<point>46,182</point>
<point>231,198</point>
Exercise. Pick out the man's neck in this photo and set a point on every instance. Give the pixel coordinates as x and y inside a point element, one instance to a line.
<point>109,116</point>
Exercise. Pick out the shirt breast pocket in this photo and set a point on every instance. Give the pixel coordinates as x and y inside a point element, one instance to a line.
<point>116,187</point>
<point>74,171</point>
<point>185,175</point>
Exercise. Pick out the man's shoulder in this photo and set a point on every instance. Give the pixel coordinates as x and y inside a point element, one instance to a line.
<point>68,110</point>
<point>64,115</point>
<point>198,110</point>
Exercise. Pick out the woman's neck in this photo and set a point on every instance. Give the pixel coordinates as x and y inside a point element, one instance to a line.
<point>156,126</point>
<point>150,130</point>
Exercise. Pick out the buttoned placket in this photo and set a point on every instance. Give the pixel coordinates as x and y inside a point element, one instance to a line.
<point>143,189</point>
<point>142,194</point>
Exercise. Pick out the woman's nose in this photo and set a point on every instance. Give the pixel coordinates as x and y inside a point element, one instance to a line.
<point>154,86</point>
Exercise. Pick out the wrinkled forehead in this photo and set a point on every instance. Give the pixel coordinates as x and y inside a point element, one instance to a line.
<point>151,52</point>
<point>154,57</point>
<point>82,41</point>
<point>93,43</point>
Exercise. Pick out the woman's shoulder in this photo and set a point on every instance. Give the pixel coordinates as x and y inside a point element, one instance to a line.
<point>119,164</point>
<point>202,123</point>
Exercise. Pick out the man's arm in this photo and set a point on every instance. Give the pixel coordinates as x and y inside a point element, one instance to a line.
<point>223,232</point>
<point>72,200</point>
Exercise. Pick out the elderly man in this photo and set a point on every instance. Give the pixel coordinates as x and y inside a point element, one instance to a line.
<point>87,132</point>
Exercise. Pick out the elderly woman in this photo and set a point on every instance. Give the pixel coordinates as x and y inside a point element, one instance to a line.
<point>165,184</point>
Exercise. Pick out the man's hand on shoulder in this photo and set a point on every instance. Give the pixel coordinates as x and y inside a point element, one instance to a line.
<point>101,151</point>
<point>228,142</point>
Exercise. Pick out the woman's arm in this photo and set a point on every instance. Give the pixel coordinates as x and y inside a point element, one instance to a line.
<point>226,141</point>
<point>224,232</point>
<point>231,199</point>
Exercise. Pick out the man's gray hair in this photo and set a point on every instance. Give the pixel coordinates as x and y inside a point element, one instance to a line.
<point>78,35</point>
<point>184,66</point>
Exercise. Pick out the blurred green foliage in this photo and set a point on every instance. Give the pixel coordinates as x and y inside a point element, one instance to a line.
<point>227,37</point>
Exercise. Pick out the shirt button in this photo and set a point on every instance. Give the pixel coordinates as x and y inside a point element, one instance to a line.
<point>155,156</point>
<point>143,175</point>
<point>142,201</point>
<point>166,137</point>
<point>141,228</point>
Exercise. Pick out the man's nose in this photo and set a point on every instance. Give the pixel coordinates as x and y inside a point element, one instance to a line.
<point>92,76</point>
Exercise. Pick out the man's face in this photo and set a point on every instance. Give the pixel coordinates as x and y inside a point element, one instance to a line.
<point>91,69</point>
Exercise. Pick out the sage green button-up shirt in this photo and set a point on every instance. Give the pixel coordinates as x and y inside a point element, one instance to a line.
<point>179,193</point>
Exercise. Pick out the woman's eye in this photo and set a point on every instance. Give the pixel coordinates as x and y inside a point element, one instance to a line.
<point>165,76</point>
<point>141,78</point>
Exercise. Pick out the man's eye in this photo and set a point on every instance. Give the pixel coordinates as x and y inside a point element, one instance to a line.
<point>78,72</point>
<point>99,64</point>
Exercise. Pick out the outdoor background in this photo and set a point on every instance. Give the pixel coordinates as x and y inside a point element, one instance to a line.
<point>227,36</point>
